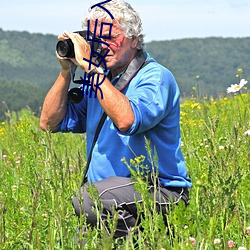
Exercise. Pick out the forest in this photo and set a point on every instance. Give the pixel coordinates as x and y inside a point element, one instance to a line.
<point>202,67</point>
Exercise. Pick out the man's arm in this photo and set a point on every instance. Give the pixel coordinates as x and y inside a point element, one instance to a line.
<point>55,103</point>
<point>115,104</point>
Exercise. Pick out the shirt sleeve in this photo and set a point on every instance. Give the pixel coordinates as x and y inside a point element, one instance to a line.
<point>75,118</point>
<point>154,96</point>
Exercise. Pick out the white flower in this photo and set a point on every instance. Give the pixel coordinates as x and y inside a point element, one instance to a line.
<point>247,133</point>
<point>237,87</point>
<point>242,248</point>
<point>217,241</point>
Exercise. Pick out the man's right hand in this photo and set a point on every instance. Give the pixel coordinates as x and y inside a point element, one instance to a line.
<point>66,63</point>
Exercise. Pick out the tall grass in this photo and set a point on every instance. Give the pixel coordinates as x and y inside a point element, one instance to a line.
<point>40,172</point>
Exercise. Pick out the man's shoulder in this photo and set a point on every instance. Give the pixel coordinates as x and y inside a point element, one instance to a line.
<point>155,69</point>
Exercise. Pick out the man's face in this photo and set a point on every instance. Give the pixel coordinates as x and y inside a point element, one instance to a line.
<point>121,48</point>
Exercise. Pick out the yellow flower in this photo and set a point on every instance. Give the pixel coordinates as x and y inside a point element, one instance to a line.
<point>240,70</point>
<point>138,160</point>
<point>195,105</point>
<point>132,162</point>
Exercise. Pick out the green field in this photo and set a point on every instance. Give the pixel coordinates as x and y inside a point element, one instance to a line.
<point>40,172</point>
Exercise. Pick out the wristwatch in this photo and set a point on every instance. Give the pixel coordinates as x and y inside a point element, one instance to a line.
<point>97,70</point>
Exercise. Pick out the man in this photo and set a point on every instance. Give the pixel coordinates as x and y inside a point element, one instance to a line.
<point>141,100</point>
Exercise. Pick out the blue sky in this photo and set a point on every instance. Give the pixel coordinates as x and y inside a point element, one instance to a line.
<point>162,19</point>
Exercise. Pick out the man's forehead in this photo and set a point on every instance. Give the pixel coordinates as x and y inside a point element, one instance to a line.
<point>105,25</point>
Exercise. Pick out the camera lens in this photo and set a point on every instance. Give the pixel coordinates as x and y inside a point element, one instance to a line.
<point>65,48</point>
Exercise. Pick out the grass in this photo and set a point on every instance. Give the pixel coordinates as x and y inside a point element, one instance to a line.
<point>40,172</point>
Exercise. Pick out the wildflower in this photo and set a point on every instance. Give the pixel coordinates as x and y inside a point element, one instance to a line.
<point>242,248</point>
<point>221,147</point>
<point>45,216</point>
<point>195,106</point>
<point>240,70</point>
<point>137,159</point>
<point>237,87</point>
<point>198,182</point>
<point>14,188</point>
<point>247,133</point>
<point>230,244</point>
<point>132,162</point>
<point>192,240</point>
<point>248,230</point>
<point>217,241</point>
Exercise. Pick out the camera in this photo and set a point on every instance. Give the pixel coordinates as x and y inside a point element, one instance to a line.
<point>65,48</point>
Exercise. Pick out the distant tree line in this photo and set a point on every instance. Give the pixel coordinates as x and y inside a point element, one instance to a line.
<point>202,67</point>
<point>210,65</point>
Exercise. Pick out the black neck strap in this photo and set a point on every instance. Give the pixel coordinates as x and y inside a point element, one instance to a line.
<point>135,65</point>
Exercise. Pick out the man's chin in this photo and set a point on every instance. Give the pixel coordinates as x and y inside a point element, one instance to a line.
<point>109,64</point>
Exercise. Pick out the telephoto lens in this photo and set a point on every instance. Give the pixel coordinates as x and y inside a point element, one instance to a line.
<point>65,48</point>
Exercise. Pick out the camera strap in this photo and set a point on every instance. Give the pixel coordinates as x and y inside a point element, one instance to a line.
<point>136,64</point>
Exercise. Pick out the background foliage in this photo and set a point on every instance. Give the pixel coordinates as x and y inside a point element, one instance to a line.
<point>28,66</point>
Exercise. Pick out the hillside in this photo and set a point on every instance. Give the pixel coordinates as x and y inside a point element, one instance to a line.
<point>28,66</point>
<point>210,63</point>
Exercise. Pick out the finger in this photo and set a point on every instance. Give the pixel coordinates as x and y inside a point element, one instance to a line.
<point>72,60</point>
<point>75,37</point>
<point>63,36</point>
<point>69,35</point>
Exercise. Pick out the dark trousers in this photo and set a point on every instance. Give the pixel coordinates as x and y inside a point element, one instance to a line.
<point>119,194</point>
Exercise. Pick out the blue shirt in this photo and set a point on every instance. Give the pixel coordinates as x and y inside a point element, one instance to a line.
<point>154,97</point>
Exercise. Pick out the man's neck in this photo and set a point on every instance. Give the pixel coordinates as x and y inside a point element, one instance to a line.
<point>117,71</point>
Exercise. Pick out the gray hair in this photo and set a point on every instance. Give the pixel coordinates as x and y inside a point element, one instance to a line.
<point>124,15</point>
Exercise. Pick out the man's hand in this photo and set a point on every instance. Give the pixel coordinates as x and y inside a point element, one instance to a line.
<point>66,63</point>
<point>82,49</point>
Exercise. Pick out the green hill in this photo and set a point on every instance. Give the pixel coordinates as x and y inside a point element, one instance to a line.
<point>28,65</point>
<point>211,63</point>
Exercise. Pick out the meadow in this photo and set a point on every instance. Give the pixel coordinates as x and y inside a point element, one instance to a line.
<point>40,172</point>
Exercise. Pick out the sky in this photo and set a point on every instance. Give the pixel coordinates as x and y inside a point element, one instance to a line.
<point>162,19</point>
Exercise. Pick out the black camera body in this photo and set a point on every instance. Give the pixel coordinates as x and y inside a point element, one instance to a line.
<point>65,48</point>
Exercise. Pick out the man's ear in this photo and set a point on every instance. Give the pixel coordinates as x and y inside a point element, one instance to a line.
<point>134,42</point>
